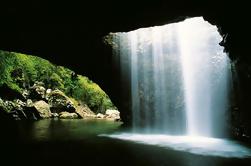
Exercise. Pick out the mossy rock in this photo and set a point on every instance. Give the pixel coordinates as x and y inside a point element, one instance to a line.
<point>43,109</point>
<point>59,102</point>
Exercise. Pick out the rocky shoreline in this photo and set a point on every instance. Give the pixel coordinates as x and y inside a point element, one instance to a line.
<point>37,102</point>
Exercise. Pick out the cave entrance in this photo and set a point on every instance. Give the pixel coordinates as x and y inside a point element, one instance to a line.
<point>180,83</point>
<point>179,77</point>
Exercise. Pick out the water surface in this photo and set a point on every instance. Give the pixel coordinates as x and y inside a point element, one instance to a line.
<point>78,142</point>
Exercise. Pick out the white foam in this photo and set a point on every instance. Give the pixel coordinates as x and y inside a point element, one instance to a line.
<point>196,145</point>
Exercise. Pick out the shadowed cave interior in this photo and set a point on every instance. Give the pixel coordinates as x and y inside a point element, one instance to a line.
<point>73,35</point>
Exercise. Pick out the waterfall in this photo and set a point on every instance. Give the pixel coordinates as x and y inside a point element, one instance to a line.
<point>206,76</point>
<point>179,78</point>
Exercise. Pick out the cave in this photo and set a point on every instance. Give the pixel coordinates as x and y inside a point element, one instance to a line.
<point>72,34</point>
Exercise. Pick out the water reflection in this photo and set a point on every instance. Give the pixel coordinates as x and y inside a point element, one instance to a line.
<point>65,129</point>
<point>79,144</point>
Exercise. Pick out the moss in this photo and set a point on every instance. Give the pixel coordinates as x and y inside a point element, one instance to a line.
<point>20,71</point>
<point>96,98</point>
<point>75,102</point>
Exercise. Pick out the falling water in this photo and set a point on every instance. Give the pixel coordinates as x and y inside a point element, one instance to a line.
<point>179,81</point>
<point>206,72</point>
<point>179,78</point>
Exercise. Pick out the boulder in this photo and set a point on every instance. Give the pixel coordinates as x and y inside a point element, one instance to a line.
<point>14,109</point>
<point>25,93</point>
<point>37,91</point>
<point>10,106</point>
<point>29,103</point>
<point>112,114</point>
<point>30,113</point>
<point>47,94</point>
<point>54,115</point>
<point>6,106</point>
<point>84,111</point>
<point>100,116</point>
<point>43,109</point>
<point>18,110</point>
<point>59,102</point>
<point>19,105</point>
<point>67,115</point>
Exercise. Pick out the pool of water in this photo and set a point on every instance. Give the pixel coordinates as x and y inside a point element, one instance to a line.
<point>92,142</point>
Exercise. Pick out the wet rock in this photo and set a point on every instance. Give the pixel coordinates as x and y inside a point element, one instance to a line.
<point>19,105</point>
<point>18,110</point>
<point>25,93</point>
<point>29,103</point>
<point>84,111</point>
<point>37,91</point>
<point>112,114</point>
<point>1,103</point>
<point>67,115</point>
<point>6,106</point>
<point>20,114</point>
<point>4,116</point>
<point>100,116</point>
<point>13,109</point>
<point>12,105</point>
<point>54,115</point>
<point>43,109</point>
<point>47,94</point>
<point>31,113</point>
<point>60,102</point>
<point>14,115</point>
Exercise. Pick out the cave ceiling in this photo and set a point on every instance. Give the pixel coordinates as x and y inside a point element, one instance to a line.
<point>70,33</point>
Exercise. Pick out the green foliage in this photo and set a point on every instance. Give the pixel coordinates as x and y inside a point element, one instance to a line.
<point>20,71</point>
<point>96,98</point>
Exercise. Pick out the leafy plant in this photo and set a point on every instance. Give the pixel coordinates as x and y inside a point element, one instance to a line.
<point>20,71</point>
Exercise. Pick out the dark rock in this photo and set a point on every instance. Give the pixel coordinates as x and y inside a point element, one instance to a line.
<point>6,106</point>
<point>3,114</point>
<point>25,93</point>
<point>32,113</point>
<point>37,91</point>
<point>10,106</point>
<point>21,114</point>
<point>19,105</point>
<point>54,115</point>
<point>18,110</point>
<point>7,93</point>
<point>59,102</point>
